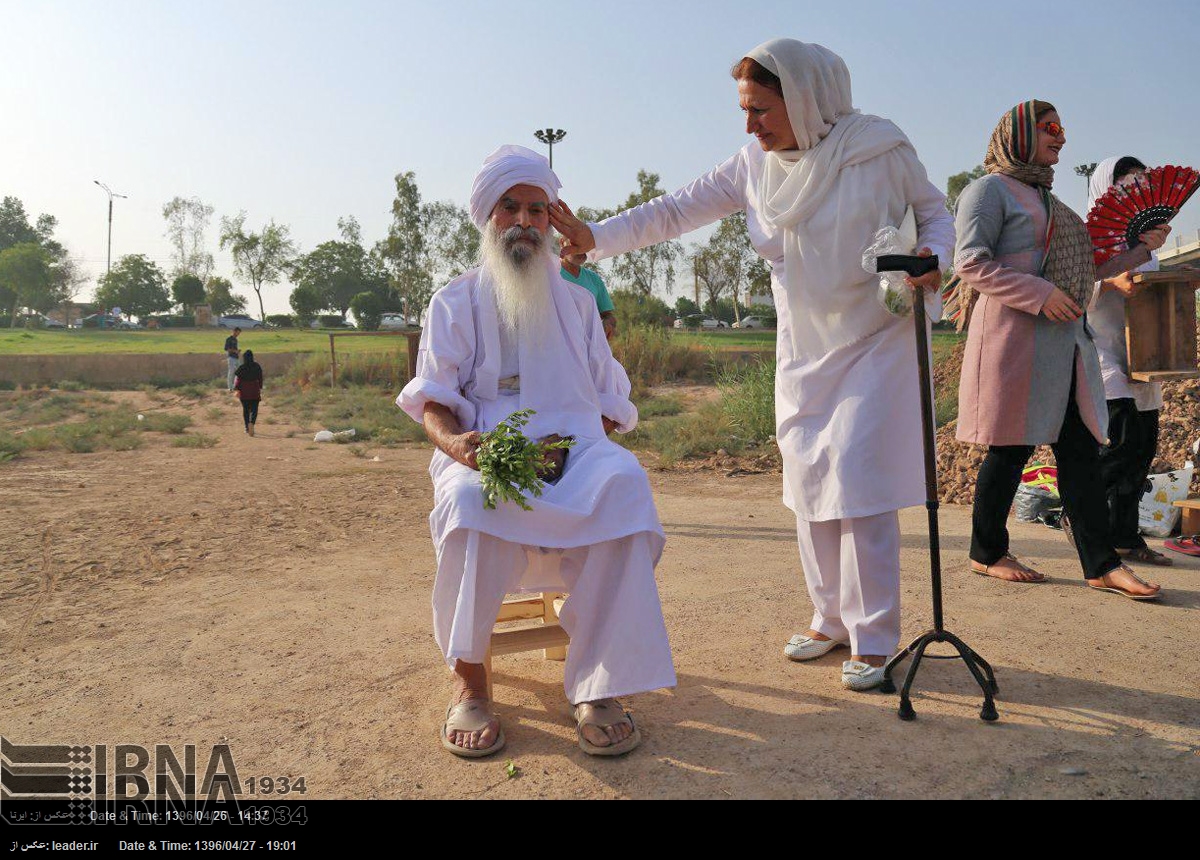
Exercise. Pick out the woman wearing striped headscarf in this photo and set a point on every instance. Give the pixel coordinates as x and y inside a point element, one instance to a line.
<point>1030,372</point>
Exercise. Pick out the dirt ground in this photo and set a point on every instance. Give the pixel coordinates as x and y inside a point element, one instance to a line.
<point>275,593</point>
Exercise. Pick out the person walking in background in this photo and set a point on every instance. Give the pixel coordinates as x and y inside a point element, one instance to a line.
<point>590,280</point>
<point>1132,406</point>
<point>232,354</point>
<point>248,383</point>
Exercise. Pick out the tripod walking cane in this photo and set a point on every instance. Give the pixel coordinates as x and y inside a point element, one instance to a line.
<point>915,267</point>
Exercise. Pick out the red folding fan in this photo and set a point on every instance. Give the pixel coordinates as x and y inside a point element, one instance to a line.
<point>1127,211</point>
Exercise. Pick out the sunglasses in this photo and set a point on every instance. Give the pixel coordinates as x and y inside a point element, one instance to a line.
<point>1053,129</point>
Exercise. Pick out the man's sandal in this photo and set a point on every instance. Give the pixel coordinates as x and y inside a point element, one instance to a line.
<point>1121,591</point>
<point>473,715</point>
<point>605,713</point>
<point>1145,555</point>
<point>983,570</point>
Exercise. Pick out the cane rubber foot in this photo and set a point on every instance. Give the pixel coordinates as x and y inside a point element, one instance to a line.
<point>887,686</point>
<point>906,711</point>
<point>988,713</point>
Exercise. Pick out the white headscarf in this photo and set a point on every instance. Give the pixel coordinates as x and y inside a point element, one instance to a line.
<point>831,135</point>
<point>508,166</point>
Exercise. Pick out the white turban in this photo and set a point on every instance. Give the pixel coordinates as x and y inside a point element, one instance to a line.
<point>816,86</point>
<point>508,166</point>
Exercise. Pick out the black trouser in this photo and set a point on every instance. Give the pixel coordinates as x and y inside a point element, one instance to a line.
<point>1124,465</point>
<point>1077,454</point>
<point>250,411</point>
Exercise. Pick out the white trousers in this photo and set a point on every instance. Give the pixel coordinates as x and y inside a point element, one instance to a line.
<point>612,612</point>
<point>852,569</point>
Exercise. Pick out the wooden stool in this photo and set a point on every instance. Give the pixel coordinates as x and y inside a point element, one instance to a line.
<point>545,634</point>
<point>1191,516</point>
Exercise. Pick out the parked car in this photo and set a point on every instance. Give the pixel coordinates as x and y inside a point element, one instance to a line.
<point>43,321</point>
<point>394,322</point>
<point>108,321</point>
<point>238,321</point>
<point>751,322</point>
<point>700,321</point>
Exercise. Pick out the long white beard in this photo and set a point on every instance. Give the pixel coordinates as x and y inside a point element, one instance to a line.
<point>521,278</point>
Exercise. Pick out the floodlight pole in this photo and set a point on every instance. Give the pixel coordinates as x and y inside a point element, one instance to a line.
<point>111,195</point>
<point>550,136</point>
<point>1086,171</point>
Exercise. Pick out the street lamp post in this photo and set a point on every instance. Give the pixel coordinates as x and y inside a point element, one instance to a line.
<point>550,136</point>
<point>111,195</point>
<point>1086,171</point>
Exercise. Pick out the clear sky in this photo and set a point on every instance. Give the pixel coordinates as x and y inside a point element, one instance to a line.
<point>303,111</point>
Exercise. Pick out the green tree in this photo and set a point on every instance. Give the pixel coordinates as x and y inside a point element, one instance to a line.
<point>452,239</point>
<point>188,291</point>
<point>307,302</point>
<point>260,258</point>
<point>15,229</point>
<point>405,250</point>
<point>338,271</point>
<point>959,181</point>
<point>685,307</point>
<point>25,277</point>
<point>725,265</point>
<point>368,310</point>
<point>136,285</point>
<point>220,297</point>
<point>652,267</point>
<point>187,221</point>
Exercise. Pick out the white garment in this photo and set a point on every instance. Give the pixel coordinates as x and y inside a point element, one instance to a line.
<point>816,86</point>
<point>849,421</point>
<point>508,166</point>
<point>612,613</point>
<point>852,569</point>
<point>601,510</point>
<point>1106,315</point>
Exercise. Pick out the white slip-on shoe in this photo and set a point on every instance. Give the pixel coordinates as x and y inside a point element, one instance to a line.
<point>861,676</point>
<point>800,648</point>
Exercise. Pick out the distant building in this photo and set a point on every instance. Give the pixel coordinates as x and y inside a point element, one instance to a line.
<point>1182,254</point>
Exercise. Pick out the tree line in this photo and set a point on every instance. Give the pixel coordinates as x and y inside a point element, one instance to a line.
<point>427,245</point>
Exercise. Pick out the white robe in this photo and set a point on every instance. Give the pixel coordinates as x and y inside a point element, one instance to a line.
<point>848,422</point>
<point>601,509</point>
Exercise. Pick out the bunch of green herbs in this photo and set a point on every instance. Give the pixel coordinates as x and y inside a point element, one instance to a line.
<point>511,464</point>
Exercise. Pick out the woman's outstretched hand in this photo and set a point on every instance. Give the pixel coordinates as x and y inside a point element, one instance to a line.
<point>578,235</point>
<point>1060,307</point>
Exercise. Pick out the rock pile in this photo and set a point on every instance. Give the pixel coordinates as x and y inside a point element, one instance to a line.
<point>958,463</point>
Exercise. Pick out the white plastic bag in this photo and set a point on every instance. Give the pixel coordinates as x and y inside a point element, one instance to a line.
<point>1157,514</point>
<point>893,294</point>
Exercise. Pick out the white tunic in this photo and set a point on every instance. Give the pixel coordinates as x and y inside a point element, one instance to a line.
<point>571,380</point>
<point>1106,316</point>
<point>848,422</point>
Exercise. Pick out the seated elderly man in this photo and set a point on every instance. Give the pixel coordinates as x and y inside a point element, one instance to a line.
<point>511,335</point>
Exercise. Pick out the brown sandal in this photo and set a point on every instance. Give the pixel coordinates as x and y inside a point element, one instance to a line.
<point>1121,591</point>
<point>984,570</point>
<point>605,713</point>
<point>473,715</point>
<point>1145,555</point>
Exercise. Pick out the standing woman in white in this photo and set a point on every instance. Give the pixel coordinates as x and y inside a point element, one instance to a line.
<point>817,185</point>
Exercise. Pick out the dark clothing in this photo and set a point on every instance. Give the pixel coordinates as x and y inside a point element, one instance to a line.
<point>231,347</point>
<point>1124,465</point>
<point>1079,484</point>
<point>249,380</point>
<point>250,411</point>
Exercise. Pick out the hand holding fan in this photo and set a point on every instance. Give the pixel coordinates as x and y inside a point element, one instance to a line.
<point>1128,210</point>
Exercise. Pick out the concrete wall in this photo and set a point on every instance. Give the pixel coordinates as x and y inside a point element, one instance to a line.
<point>120,370</point>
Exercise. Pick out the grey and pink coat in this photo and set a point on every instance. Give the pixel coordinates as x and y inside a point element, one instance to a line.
<point>1018,365</point>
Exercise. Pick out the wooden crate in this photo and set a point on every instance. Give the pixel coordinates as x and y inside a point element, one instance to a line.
<point>1160,326</point>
